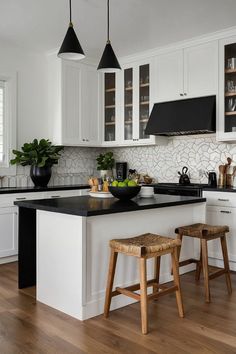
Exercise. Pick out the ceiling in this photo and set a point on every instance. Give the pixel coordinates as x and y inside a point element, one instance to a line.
<point>136,25</point>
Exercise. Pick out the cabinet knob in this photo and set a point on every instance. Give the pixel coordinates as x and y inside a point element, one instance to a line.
<point>23,198</point>
<point>185,94</point>
<point>226,211</point>
<point>223,200</point>
<point>181,94</point>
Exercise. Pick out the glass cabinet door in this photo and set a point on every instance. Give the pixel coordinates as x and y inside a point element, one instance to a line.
<point>128,104</point>
<point>110,107</point>
<point>144,99</point>
<point>230,88</point>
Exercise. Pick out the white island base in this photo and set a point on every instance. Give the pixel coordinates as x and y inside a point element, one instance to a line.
<point>73,254</point>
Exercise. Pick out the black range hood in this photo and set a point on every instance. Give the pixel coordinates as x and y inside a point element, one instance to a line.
<point>183,117</point>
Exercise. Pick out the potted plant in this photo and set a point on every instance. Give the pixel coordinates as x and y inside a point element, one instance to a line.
<point>41,156</point>
<point>105,163</point>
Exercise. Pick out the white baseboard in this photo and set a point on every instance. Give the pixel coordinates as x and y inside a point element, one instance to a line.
<point>8,259</point>
<point>219,263</point>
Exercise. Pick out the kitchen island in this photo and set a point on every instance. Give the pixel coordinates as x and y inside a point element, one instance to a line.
<point>63,245</point>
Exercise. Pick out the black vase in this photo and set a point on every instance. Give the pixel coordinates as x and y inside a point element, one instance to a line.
<point>40,175</point>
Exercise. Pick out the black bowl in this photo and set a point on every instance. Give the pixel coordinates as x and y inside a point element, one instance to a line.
<point>124,193</point>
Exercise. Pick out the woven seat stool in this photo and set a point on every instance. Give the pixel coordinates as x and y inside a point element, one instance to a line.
<point>206,233</point>
<point>144,247</point>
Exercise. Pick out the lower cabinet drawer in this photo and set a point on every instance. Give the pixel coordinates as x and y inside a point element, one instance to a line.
<point>226,199</point>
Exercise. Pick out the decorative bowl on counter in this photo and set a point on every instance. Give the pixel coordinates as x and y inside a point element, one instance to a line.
<point>124,193</point>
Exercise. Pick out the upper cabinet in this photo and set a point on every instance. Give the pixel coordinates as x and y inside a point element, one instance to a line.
<point>73,103</point>
<point>127,105</point>
<point>227,90</point>
<point>186,73</point>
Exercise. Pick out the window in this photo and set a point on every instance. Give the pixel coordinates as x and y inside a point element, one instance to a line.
<point>7,122</point>
<point>2,118</point>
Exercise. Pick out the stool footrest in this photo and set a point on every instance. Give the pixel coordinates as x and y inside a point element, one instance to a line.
<point>128,292</point>
<point>188,261</point>
<point>217,273</point>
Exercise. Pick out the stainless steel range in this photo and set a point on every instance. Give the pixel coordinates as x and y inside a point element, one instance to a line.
<point>191,189</point>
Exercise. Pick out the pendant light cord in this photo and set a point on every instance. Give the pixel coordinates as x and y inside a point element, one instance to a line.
<point>108,22</point>
<point>70,13</point>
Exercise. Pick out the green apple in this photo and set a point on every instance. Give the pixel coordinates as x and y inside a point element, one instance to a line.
<point>115,184</point>
<point>132,184</point>
<point>126,181</point>
<point>122,184</point>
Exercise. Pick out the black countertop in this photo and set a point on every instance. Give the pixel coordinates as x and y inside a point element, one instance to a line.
<point>9,190</point>
<point>89,206</point>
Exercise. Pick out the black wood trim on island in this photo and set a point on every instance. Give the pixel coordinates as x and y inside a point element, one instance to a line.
<point>27,248</point>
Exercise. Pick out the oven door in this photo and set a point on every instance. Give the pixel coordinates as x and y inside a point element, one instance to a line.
<point>178,191</point>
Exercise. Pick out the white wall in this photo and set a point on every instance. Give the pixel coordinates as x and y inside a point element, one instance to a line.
<point>31,71</point>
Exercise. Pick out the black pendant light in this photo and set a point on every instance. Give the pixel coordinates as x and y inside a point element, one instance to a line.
<point>71,48</point>
<point>108,62</point>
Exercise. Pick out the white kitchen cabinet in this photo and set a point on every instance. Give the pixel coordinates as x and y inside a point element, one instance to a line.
<point>9,231</point>
<point>73,103</point>
<point>9,218</point>
<point>169,79</point>
<point>187,73</point>
<point>221,210</point>
<point>127,104</point>
<point>226,127</point>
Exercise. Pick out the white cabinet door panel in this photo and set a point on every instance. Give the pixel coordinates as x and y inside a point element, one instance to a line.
<point>9,226</point>
<point>71,104</point>
<point>222,216</point>
<point>201,70</point>
<point>169,76</point>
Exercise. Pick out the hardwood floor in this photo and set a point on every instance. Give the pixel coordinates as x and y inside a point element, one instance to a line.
<point>30,327</point>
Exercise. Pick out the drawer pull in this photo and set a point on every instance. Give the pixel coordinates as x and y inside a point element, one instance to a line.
<point>223,200</point>
<point>226,211</point>
<point>55,196</point>
<point>22,198</point>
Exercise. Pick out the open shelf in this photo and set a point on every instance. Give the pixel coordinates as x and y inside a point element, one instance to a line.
<point>110,106</point>
<point>230,71</point>
<point>144,103</point>
<point>230,113</point>
<point>110,90</point>
<point>110,123</point>
<point>128,122</point>
<point>128,88</point>
<point>144,85</point>
<point>129,105</point>
<point>230,94</point>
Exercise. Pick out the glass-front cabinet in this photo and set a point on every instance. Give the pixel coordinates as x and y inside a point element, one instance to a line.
<point>144,99</point>
<point>127,105</point>
<point>227,90</point>
<point>109,107</point>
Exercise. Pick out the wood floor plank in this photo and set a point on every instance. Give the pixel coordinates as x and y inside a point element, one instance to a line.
<point>28,327</point>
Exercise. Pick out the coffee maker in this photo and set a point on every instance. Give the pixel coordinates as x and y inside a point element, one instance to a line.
<point>121,171</point>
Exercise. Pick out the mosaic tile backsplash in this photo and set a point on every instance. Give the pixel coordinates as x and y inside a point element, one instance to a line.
<point>161,162</point>
<point>199,154</point>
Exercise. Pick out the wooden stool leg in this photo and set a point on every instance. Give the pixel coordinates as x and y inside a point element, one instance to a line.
<point>199,266</point>
<point>157,263</point>
<point>143,294</point>
<point>226,263</point>
<point>205,269</point>
<point>179,237</point>
<point>110,280</point>
<point>175,267</point>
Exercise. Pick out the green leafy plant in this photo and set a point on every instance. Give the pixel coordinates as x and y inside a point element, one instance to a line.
<point>38,153</point>
<point>105,161</point>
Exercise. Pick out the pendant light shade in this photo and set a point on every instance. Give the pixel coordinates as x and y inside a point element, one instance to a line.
<point>108,62</point>
<point>71,48</point>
